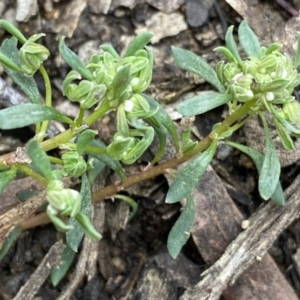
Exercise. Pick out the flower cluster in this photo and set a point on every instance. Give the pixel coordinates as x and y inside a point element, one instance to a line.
<point>270,77</point>
<point>115,79</point>
<point>32,55</point>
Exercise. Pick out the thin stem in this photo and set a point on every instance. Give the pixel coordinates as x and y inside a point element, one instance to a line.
<point>97,114</point>
<point>80,117</point>
<point>30,172</point>
<point>55,160</point>
<point>48,101</point>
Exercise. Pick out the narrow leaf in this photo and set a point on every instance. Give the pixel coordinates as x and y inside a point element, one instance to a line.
<point>258,159</point>
<point>180,232</point>
<point>58,273</point>
<point>161,133</point>
<point>297,58</point>
<point>284,136</point>
<point>248,39</point>
<point>29,113</point>
<point>72,59</point>
<point>112,163</point>
<point>27,84</point>
<point>270,170</point>
<point>202,103</point>
<point>85,139</point>
<point>138,43</point>
<point>9,27</point>
<point>6,177</point>
<point>40,160</point>
<point>187,178</point>
<point>121,81</point>
<point>231,45</point>
<point>110,49</point>
<point>75,235</point>
<point>98,167</point>
<point>226,53</point>
<point>9,240</point>
<point>189,61</point>
<point>162,117</point>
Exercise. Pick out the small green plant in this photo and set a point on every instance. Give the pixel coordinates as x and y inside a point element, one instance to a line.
<point>263,82</point>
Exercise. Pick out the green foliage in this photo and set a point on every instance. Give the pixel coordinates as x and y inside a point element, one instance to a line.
<point>13,235</point>
<point>261,83</point>
<point>270,169</point>
<point>59,272</point>
<point>180,232</point>
<point>39,159</point>
<point>6,177</point>
<point>31,114</point>
<point>188,177</point>
<point>27,84</point>
<point>187,60</point>
<point>75,235</point>
<point>208,101</point>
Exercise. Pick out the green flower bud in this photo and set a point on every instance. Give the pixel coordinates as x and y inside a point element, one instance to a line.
<point>74,164</point>
<point>32,55</point>
<point>138,107</point>
<point>129,149</point>
<point>292,112</point>
<point>64,201</point>
<point>87,93</point>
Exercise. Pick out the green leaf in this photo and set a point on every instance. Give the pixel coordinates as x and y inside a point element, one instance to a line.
<point>40,160</point>
<point>98,167</point>
<point>9,27</point>
<point>162,117</point>
<point>85,139</point>
<point>285,138</point>
<point>121,81</point>
<point>161,133</point>
<point>9,240</point>
<point>112,163</point>
<point>248,39</point>
<point>6,177</point>
<point>9,64</point>
<point>131,202</point>
<point>59,272</point>
<point>24,195</point>
<point>29,113</point>
<point>189,176</point>
<point>111,50</point>
<point>297,58</point>
<point>270,170</point>
<point>226,53</point>
<point>231,45</point>
<point>75,235</point>
<point>202,103</point>
<point>258,159</point>
<point>180,232</point>
<point>73,60</point>
<point>189,61</point>
<point>138,43</point>
<point>27,84</point>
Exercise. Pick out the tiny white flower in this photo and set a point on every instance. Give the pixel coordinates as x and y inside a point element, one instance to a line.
<point>128,105</point>
<point>270,96</point>
<point>134,81</point>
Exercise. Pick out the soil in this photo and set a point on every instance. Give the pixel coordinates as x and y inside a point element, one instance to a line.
<point>132,260</point>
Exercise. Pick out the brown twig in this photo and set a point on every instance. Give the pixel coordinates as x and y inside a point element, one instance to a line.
<point>36,280</point>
